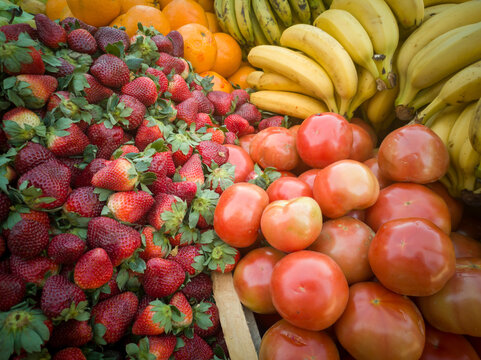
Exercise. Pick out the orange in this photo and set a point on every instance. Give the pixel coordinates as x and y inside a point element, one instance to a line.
<point>147,15</point>
<point>229,55</point>
<point>200,47</point>
<point>240,76</point>
<point>125,5</point>
<point>95,12</point>
<point>163,3</point>
<point>220,83</point>
<point>182,12</point>
<point>57,9</point>
<point>213,23</point>
<point>207,5</point>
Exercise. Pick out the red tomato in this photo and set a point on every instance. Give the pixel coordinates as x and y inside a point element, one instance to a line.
<point>455,206</point>
<point>344,186</point>
<point>374,166</point>
<point>237,216</point>
<point>402,200</point>
<point>324,139</point>
<point>470,226</point>
<point>265,321</point>
<point>291,225</point>
<point>457,307</point>
<point>379,325</point>
<point>346,240</point>
<point>242,162</point>
<point>286,188</point>
<point>465,246</point>
<point>309,290</point>
<point>475,343</point>
<point>445,346</point>
<point>370,130</point>
<point>285,173</point>
<point>413,153</point>
<point>412,256</point>
<point>245,141</point>
<point>286,342</point>
<point>252,278</point>
<point>309,176</point>
<point>275,147</point>
<point>362,145</point>
<point>357,214</point>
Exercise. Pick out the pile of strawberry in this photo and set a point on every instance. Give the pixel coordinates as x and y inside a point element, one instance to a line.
<point>113,162</point>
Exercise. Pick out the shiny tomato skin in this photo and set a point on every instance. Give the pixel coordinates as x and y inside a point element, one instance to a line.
<point>288,187</point>
<point>441,345</point>
<point>455,206</point>
<point>241,160</point>
<point>309,290</point>
<point>401,200</point>
<point>283,341</point>
<point>346,240</point>
<point>413,153</point>
<point>370,130</point>
<point>309,176</point>
<point>412,256</point>
<point>245,142</point>
<point>465,246</point>
<point>252,278</point>
<point>379,324</point>
<point>323,139</point>
<point>374,166</point>
<point>357,214</point>
<point>344,186</point>
<point>238,214</point>
<point>362,145</point>
<point>456,308</point>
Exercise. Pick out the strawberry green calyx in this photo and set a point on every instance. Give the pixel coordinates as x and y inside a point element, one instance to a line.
<point>75,311</point>
<point>21,124</point>
<point>5,160</point>
<point>15,53</point>
<point>184,139</point>
<point>174,218</point>
<point>204,204</point>
<point>76,109</point>
<point>163,109</point>
<point>116,112</point>
<point>201,317</point>
<point>31,91</point>
<point>143,48</point>
<point>165,315</point>
<point>220,177</point>
<point>264,178</point>
<point>218,255</point>
<point>140,351</point>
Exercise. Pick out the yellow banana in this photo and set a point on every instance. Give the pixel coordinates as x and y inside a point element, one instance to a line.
<point>282,10</point>
<point>275,81</point>
<point>287,103</point>
<point>297,67</point>
<point>243,14</point>
<point>442,122</point>
<point>366,89</point>
<point>424,97</point>
<point>475,129</point>
<point>438,2</point>
<point>317,8</point>
<point>430,11</point>
<point>468,161</point>
<point>380,107</point>
<point>267,20</point>
<point>228,20</point>
<point>253,79</point>
<point>460,132</point>
<point>408,13</point>
<point>259,37</point>
<point>300,8</point>
<point>219,12</point>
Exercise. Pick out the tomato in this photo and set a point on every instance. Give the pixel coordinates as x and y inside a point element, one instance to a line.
<point>237,216</point>
<point>456,308</point>
<point>286,188</point>
<point>465,246</point>
<point>475,343</point>
<point>252,278</point>
<point>309,176</point>
<point>357,214</point>
<point>413,153</point>
<point>344,186</point>
<point>455,206</point>
<point>402,200</point>
<point>346,240</point>
<point>324,139</point>
<point>370,130</point>
<point>470,226</point>
<point>241,160</point>
<point>309,290</point>
<point>284,341</point>
<point>275,147</point>
<point>379,324</point>
<point>291,225</point>
<point>374,166</point>
<point>362,145</point>
<point>245,141</point>
<point>412,256</point>
<point>446,346</point>
<point>285,173</point>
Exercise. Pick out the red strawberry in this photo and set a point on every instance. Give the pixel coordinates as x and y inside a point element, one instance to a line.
<point>12,31</point>
<point>116,314</point>
<point>168,63</point>
<point>70,353</point>
<point>179,89</point>
<point>5,266</point>
<point>108,35</point>
<point>167,206</point>
<point>213,313</point>
<point>162,184</point>
<point>162,277</point>
<point>211,151</point>
<point>198,288</point>
<point>96,92</point>
<point>107,140</point>
<point>49,32</point>
<point>222,102</point>
<point>110,71</point>
<point>85,177</point>
<point>65,248</point>
<point>162,80</point>
<point>56,99</point>
<point>113,288</point>
<point>19,125</point>
<point>205,106</point>
<point>185,256</point>
<point>271,121</point>
<point>162,346</point>
<point>59,294</point>
<point>74,166</point>
<point>249,112</point>
<point>155,245</point>
<point>163,43</point>
<point>65,68</point>
<point>238,125</point>
<point>185,190</point>
<point>33,270</point>
<point>180,158</point>
<point>187,110</point>
<point>202,120</point>
<point>192,170</point>
<point>80,40</point>
<point>41,86</point>
<point>130,206</point>
<point>67,145</point>
<point>195,348</point>
<point>217,135</point>
<point>3,245</point>
<point>221,177</point>
<point>93,269</point>
<point>39,216</point>
<point>230,138</point>
<point>120,241</point>
<point>28,239</point>
<point>70,24</point>
<point>148,132</point>
<point>82,204</point>
<point>20,57</point>
<point>182,304</point>
<point>177,43</point>
<point>143,89</point>
<point>144,323</point>
<point>12,291</point>
<point>240,97</point>
<point>71,333</point>
<point>123,150</point>
<point>118,175</point>
<point>5,204</point>
<point>136,118</point>
<point>162,163</point>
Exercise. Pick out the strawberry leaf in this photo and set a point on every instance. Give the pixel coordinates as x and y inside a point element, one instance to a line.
<point>116,49</point>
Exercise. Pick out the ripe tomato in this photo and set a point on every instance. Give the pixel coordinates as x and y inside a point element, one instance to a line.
<point>455,206</point>
<point>346,240</point>
<point>344,186</point>
<point>284,341</point>
<point>291,225</point>
<point>245,141</point>
<point>357,214</point>
<point>252,278</point>
<point>446,346</point>
<point>362,145</point>
<point>309,290</point>
<point>412,256</point>
<point>309,176</point>
<point>456,308</point>
<point>242,162</point>
<point>276,147</point>
<point>465,246</point>
<point>237,216</point>
<point>370,130</point>
<point>470,226</point>
<point>402,200</point>
<point>324,139</point>
<point>379,324</point>
<point>413,153</point>
<point>374,166</point>
<point>288,187</point>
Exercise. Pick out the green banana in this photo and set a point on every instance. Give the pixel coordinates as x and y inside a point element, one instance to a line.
<point>301,9</point>
<point>227,19</point>
<point>282,10</point>
<point>475,129</point>
<point>259,37</point>
<point>267,20</point>
<point>243,14</point>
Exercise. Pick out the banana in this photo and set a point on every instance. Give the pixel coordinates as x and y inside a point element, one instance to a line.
<point>379,22</point>
<point>317,8</point>
<point>460,132</point>
<point>345,28</point>
<point>243,14</point>
<point>366,89</point>
<point>442,122</point>
<point>438,2</point>
<point>282,10</point>
<point>444,55</point>
<point>409,13</point>
<point>275,81</point>
<point>225,11</point>
<point>463,87</point>
<point>253,79</point>
<point>259,37</point>
<point>467,162</point>
<point>267,20</point>
<point>300,8</point>
<point>287,103</point>
<point>430,11</point>
<point>380,107</point>
<point>219,12</point>
<point>327,3</point>
<point>475,129</point>
<point>297,67</point>
<point>330,54</point>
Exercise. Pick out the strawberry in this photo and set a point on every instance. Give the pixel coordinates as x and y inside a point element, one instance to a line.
<point>28,239</point>
<point>202,208</point>
<point>179,89</point>
<point>198,288</point>
<point>217,135</point>
<point>20,125</point>
<point>70,353</point>
<point>182,304</point>
<point>230,138</point>
<point>205,106</point>
<point>32,91</point>
<point>108,35</point>
<point>202,120</point>
<point>192,170</point>
<point>123,150</point>
<point>93,269</point>
<point>211,151</point>
<point>33,270</point>
<point>271,121</point>
<point>20,56</point>
<point>162,162</point>
<point>39,216</point>
<point>162,184</point>
<point>144,323</point>
<point>187,110</point>
<point>180,158</point>
<point>162,277</point>
<point>162,346</point>
<point>74,165</point>
<point>213,313</point>
<point>194,348</point>
<point>31,155</point>
<point>219,342</point>
<point>221,177</point>
<point>136,117</point>
<point>162,80</point>
<point>49,32</point>
<point>12,291</point>
<point>177,43</point>
<point>106,139</point>
<point>168,63</point>
<point>249,112</point>
<point>85,177</point>
<point>118,175</point>
<point>3,245</point>
<point>113,288</point>
<point>119,240</point>
<point>164,44</point>
<point>12,31</point>
<point>168,211</point>
<point>130,206</point>
<point>71,333</point>
<point>65,68</point>
<point>149,131</point>
<point>110,71</point>
<point>56,99</point>
<point>65,248</point>
<point>5,266</point>
<point>155,244</point>
<point>186,257</point>
<point>60,297</point>
<point>240,97</point>
<point>238,125</point>
<point>69,142</point>
<point>70,23</point>
<point>95,92</point>
<point>222,102</point>
<point>143,89</point>
<point>81,205</point>
<point>185,190</point>
<point>80,40</point>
